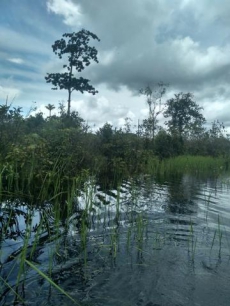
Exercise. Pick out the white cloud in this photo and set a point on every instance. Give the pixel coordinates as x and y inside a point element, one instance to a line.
<point>194,59</point>
<point>107,57</point>
<point>67,9</point>
<point>42,109</point>
<point>9,92</point>
<point>94,109</point>
<point>16,60</point>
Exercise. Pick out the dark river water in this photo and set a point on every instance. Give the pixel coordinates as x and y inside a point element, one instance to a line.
<point>151,242</point>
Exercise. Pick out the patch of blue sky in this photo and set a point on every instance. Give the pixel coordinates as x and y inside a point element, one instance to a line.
<point>25,66</point>
<point>17,70</point>
<point>31,18</point>
<point>24,79</point>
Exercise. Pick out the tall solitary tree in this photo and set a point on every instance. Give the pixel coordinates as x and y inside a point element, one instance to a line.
<point>80,55</point>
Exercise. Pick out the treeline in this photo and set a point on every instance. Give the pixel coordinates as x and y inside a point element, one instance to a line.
<point>67,143</point>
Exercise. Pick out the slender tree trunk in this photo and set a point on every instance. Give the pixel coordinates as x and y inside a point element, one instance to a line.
<point>69,100</point>
<point>69,91</point>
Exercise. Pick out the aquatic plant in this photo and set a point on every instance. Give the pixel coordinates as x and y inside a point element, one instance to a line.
<point>218,233</point>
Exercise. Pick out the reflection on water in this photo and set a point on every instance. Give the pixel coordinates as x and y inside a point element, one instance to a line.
<point>152,241</point>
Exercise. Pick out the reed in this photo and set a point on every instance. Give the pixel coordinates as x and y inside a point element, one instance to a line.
<point>192,242</point>
<point>128,241</point>
<point>218,234</point>
<point>7,285</point>
<point>158,241</point>
<point>114,242</point>
<point>83,235</point>
<point>140,230</point>
<point>207,206</point>
<point>52,283</point>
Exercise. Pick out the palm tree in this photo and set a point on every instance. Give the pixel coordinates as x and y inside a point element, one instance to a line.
<point>50,107</point>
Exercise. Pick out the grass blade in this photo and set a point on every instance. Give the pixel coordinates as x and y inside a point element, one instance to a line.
<point>51,282</point>
<point>8,285</point>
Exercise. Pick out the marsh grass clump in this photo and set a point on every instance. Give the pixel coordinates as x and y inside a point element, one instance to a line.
<point>194,164</point>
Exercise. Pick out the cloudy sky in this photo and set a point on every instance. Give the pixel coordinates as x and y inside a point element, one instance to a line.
<point>185,43</point>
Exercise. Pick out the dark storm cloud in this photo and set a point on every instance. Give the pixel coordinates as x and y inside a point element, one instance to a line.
<point>152,41</point>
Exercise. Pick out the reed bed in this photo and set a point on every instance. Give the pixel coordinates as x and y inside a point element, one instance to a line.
<point>197,164</point>
<point>36,187</point>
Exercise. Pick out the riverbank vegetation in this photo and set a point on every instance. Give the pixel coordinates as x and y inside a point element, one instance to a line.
<point>53,151</point>
<point>36,151</point>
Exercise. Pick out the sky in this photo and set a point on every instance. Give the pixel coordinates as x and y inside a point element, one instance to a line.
<point>184,43</point>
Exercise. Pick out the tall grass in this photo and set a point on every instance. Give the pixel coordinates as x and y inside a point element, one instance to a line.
<point>25,183</point>
<point>195,164</point>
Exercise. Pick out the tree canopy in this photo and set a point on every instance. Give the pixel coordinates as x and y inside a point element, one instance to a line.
<point>185,114</point>
<point>80,54</point>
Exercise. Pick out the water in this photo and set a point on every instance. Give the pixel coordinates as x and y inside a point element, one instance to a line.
<point>153,242</point>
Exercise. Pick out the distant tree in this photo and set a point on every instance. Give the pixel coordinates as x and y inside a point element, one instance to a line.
<point>218,142</point>
<point>61,108</point>
<point>50,107</point>
<point>184,113</point>
<point>35,123</point>
<point>217,130</point>
<point>105,133</point>
<point>163,144</point>
<point>153,99</point>
<point>106,140</point>
<point>127,125</point>
<point>11,126</point>
<point>80,55</point>
<point>73,120</point>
